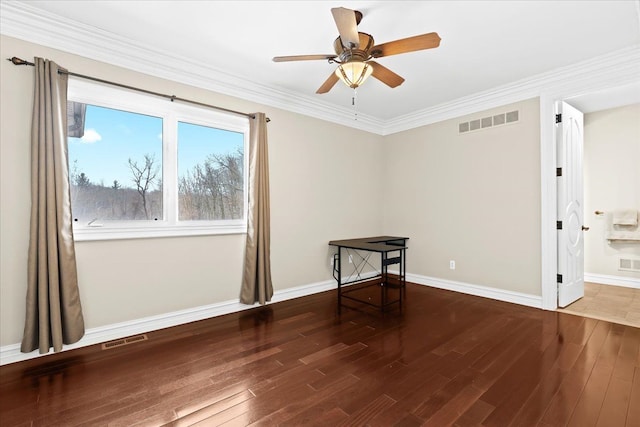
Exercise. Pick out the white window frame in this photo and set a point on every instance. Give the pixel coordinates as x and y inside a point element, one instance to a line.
<point>103,95</point>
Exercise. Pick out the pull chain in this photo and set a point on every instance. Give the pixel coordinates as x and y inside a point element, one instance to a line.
<point>355,104</point>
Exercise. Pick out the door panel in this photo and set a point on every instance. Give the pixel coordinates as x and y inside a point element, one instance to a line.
<point>570,141</point>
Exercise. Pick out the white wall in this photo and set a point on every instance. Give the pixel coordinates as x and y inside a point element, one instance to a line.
<point>473,198</point>
<point>612,181</point>
<point>322,188</point>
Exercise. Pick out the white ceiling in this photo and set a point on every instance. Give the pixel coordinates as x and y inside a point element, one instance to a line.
<point>485,44</point>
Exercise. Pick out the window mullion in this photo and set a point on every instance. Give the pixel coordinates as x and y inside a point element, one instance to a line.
<point>170,168</point>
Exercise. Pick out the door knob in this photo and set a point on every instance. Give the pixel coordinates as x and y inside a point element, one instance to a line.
<point>585,228</point>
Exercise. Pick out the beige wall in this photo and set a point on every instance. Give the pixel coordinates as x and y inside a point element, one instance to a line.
<point>322,186</point>
<point>612,181</point>
<point>473,198</point>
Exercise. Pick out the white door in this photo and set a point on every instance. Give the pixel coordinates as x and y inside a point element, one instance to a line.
<point>569,140</point>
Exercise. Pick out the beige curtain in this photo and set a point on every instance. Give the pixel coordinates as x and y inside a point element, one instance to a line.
<point>54,314</point>
<point>256,277</point>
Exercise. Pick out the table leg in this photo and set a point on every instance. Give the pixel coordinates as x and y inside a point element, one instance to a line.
<point>383,280</point>
<point>339,261</point>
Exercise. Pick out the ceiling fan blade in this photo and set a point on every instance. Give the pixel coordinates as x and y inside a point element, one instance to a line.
<point>328,84</point>
<point>347,26</point>
<point>410,44</point>
<point>385,75</point>
<point>303,57</point>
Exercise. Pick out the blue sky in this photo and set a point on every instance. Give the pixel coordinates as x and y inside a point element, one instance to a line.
<point>112,137</point>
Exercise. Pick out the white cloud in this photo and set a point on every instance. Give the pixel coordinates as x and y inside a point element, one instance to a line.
<point>90,136</point>
<point>160,136</point>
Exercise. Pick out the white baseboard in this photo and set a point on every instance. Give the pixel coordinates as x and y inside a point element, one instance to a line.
<point>603,279</point>
<point>11,353</point>
<point>478,290</point>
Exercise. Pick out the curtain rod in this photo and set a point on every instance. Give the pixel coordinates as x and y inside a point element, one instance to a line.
<point>18,61</point>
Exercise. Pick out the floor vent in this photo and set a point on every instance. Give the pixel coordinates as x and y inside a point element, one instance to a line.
<point>489,122</point>
<point>124,341</point>
<point>629,264</point>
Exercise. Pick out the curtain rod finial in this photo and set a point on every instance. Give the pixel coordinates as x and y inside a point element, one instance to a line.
<point>17,61</point>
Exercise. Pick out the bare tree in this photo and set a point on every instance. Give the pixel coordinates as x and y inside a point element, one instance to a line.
<point>144,177</point>
<point>213,189</point>
<point>230,179</point>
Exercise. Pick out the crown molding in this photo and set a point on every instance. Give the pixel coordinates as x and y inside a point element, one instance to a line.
<point>31,24</point>
<point>618,68</point>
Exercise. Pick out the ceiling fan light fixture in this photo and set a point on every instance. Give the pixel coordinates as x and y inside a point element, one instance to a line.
<point>355,51</point>
<point>354,73</point>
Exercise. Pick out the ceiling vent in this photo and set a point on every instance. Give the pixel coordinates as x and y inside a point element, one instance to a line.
<point>629,264</point>
<point>489,122</point>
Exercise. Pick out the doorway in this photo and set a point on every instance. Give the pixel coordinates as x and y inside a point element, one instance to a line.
<point>611,149</point>
<point>610,97</point>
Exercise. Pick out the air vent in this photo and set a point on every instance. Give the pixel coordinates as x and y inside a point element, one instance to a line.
<point>124,341</point>
<point>489,122</point>
<point>629,264</point>
<point>512,116</point>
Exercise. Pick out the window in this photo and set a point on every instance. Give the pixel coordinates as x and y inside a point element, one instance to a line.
<point>210,179</point>
<point>142,166</point>
<point>115,167</point>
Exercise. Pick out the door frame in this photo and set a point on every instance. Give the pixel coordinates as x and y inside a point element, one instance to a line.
<point>548,202</point>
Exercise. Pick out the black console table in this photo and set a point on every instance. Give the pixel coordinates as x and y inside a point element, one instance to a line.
<point>392,251</point>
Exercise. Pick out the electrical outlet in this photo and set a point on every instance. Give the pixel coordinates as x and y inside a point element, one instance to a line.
<point>452,265</point>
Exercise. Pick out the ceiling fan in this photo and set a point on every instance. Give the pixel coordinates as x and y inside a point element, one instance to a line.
<point>355,52</point>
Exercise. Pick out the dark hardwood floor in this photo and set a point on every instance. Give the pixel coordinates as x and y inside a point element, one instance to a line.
<point>447,359</point>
